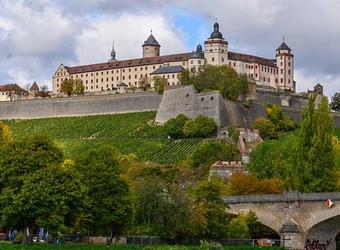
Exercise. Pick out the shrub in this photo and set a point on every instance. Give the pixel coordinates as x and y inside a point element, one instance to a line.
<point>211,151</point>
<point>174,127</point>
<point>266,127</point>
<point>201,126</point>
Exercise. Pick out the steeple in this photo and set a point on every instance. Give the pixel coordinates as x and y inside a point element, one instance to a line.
<point>113,53</point>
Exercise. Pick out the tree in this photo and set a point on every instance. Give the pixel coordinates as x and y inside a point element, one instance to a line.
<point>266,127</point>
<point>4,134</point>
<point>209,194</point>
<point>174,127</point>
<point>211,151</point>
<point>67,87</point>
<point>160,84</point>
<point>78,87</point>
<point>20,162</point>
<point>109,202</point>
<point>335,103</point>
<point>44,91</point>
<point>315,165</point>
<point>72,86</point>
<point>281,121</point>
<point>162,208</point>
<point>144,83</point>
<point>242,184</point>
<point>223,78</point>
<point>201,126</point>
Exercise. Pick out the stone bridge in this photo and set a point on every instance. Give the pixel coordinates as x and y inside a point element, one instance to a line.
<point>303,220</point>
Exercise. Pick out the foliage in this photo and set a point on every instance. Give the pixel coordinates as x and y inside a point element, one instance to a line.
<point>281,121</point>
<point>243,184</point>
<point>315,161</point>
<point>201,126</point>
<point>36,190</point>
<point>174,127</point>
<point>233,134</point>
<point>4,134</point>
<point>144,83</point>
<point>266,127</point>
<point>211,151</point>
<point>109,204</point>
<point>72,86</point>
<point>129,133</point>
<point>223,78</point>
<point>335,103</point>
<point>160,84</point>
<point>217,219</point>
<point>163,208</point>
<point>115,247</point>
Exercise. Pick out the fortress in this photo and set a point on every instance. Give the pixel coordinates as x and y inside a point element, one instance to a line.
<point>276,72</point>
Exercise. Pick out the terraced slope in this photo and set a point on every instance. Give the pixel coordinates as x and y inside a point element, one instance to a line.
<point>130,133</point>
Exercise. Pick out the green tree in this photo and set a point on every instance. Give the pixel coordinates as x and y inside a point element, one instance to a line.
<point>315,162</point>
<point>72,86</point>
<point>217,219</point>
<point>266,127</point>
<point>201,126</point>
<point>335,103</point>
<point>162,208</point>
<point>223,78</point>
<point>211,151</point>
<point>20,162</point>
<point>160,84</point>
<point>78,87</point>
<point>174,127</point>
<point>109,202</point>
<point>67,87</point>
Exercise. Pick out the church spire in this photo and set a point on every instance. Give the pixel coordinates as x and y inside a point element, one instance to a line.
<point>113,53</point>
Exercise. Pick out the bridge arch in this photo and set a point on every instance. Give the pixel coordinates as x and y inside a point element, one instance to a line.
<point>320,216</point>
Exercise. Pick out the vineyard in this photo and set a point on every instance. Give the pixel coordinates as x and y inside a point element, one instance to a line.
<point>130,133</point>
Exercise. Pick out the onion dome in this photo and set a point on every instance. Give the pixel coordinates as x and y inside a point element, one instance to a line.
<point>216,33</point>
<point>198,53</point>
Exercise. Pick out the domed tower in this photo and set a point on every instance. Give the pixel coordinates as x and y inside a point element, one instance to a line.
<point>151,47</point>
<point>216,48</point>
<point>285,65</point>
<point>197,60</point>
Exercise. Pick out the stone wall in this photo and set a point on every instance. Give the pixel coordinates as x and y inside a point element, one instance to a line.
<point>79,106</point>
<point>185,100</point>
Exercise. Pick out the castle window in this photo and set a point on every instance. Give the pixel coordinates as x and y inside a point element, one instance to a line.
<point>107,72</point>
<point>96,80</point>
<point>86,81</point>
<point>135,76</point>
<point>117,71</point>
<point>281,71</point>
<point>91,74</point>
<point>112,72</point>
<point>213,59</point>
<point>234,64</point>
<point>96,86</point>
<point>86,87</point>
<point>91,81</point>
<point>102,80</point>
<point>112,79</point>
<point>191,61</point>
<point>107,85</point>
<point>288,80</point>
<point>173,76</point>
<point>117,78</point>
<point>289,72</point>
<point>96,73</point>
<point>135,69</point>
<point>129,70</point>
<point>57,80</point>
<point>281,80</point>
<point>107,79</point>
<point>289,64</point>
<point>183,63</point>
<point>129,77</point>
<point>57,85</point>
<point>123,70</point>
<point>211,50</point>
<point>141,68</point>
<point>86,75</point>
<point>154,67</point>
<point>123,77</point>
<point>76,76</point>
<point>91,87</point>
<point>102,73</point>
<point>146,67</point>
<point>222,59</point>
<point>256,75</point>
<point>199,61</point>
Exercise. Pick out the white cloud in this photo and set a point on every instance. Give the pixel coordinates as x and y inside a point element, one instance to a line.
<point>128,32</point>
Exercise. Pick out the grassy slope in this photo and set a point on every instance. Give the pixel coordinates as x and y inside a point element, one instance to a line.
<point>130,133</point>
<point>337,132</point>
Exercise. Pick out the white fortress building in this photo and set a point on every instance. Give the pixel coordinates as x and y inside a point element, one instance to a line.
<point>277,72</point>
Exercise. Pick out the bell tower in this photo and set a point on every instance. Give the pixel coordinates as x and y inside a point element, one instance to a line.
<point>216,48</point>
<point>285,65</point>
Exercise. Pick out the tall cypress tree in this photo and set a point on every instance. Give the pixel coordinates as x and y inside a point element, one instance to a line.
<point>315,166</point>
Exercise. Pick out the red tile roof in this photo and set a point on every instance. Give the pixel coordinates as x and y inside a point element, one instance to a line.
<point>160,60</point>
<point>129,63</point>
<point>11,87</point>
<point>250,59</point>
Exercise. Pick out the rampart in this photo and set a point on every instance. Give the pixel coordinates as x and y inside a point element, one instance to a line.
<point>80,106</point>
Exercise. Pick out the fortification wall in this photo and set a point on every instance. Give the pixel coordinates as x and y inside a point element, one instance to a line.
<point>185,100</point>
<point>79,106</point>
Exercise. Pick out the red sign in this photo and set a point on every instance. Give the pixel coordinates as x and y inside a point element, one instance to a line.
<point>329,203</point>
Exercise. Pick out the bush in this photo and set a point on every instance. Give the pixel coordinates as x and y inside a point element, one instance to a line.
<point>266,127</point>
<point>201,126</point>
<point>174,127</point>
<point>211,151</point>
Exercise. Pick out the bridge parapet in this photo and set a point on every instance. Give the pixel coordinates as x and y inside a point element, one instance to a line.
<point>285,197</point>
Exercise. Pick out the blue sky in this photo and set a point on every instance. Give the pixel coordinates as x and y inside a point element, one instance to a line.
<point>36,36</point>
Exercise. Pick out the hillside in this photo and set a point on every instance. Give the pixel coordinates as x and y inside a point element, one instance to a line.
<point>337,132</point>
<point>130,133</point>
